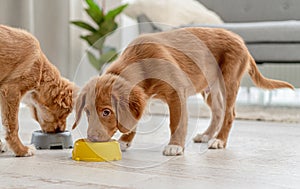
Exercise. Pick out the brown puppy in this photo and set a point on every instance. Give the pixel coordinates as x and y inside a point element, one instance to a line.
<point>171,66</point>
<point>25,70</point>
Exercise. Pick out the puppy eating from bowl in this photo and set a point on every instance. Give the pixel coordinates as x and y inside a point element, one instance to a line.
<point>26,74</point>
<point>171,66</point>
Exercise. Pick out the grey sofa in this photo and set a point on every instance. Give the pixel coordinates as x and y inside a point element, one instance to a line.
<point>270,28</point>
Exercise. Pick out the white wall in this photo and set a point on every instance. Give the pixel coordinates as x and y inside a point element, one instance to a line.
<point>15,13</point>
<point>49,21</point>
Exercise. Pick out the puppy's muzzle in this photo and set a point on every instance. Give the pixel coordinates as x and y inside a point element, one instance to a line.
<point>97,138</point>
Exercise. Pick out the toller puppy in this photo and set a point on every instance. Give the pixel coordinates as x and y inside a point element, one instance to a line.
<point>171,66</point>
<point>25,71</point>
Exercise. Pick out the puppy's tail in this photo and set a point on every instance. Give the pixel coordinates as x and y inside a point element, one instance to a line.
<point>262,82</point>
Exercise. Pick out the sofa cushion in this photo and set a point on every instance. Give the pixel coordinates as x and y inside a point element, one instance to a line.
<point>254,10</point>
<point>277,53</point>
<point>277,41</point>
<point>264,32</point>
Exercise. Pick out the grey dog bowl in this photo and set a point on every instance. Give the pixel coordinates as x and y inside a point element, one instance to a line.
<point>62,140</point>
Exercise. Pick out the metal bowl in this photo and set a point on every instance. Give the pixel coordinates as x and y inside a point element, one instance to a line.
<point>62,140</point>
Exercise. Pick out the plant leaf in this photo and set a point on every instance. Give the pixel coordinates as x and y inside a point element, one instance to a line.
<point>94,61</point>
<point>109,56</point>
<point>94,11</point>
<point>107,27</point>
<point>92,4</point>
<point>84,25</point>
<point>108,48</point>
<point>114,12</point>
<point>96,40</point>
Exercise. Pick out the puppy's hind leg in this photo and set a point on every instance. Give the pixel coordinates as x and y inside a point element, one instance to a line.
<point>221,140</point>
<point>215,101</point>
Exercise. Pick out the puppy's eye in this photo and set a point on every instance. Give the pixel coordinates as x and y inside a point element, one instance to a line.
<point>106,112</point>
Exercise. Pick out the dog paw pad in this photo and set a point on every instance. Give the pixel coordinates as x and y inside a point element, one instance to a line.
<point>173,150</point>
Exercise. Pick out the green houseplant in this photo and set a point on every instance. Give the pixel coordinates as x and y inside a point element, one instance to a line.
<point>104,24</point>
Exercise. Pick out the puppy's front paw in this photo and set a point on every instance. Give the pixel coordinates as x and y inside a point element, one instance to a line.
<point>29,151</point>
<point>216,144</point>
<point>173,150</point>
<point>124,145</point>
<point>201,138</point>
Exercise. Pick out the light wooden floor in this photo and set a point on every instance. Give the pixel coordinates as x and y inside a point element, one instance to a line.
<point>259,155</point>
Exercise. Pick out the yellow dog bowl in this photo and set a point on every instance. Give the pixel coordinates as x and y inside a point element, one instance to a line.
<point>96,151</point>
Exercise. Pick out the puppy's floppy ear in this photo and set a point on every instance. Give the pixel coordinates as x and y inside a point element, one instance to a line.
<point>137,102</point>
<point>64,99</point>
<point>80,103</point>
<point>129,109</point>
<point>75,94</point>
<point>66,96</point>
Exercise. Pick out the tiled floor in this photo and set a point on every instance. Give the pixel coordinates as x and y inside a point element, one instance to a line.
<point>259,155</point>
